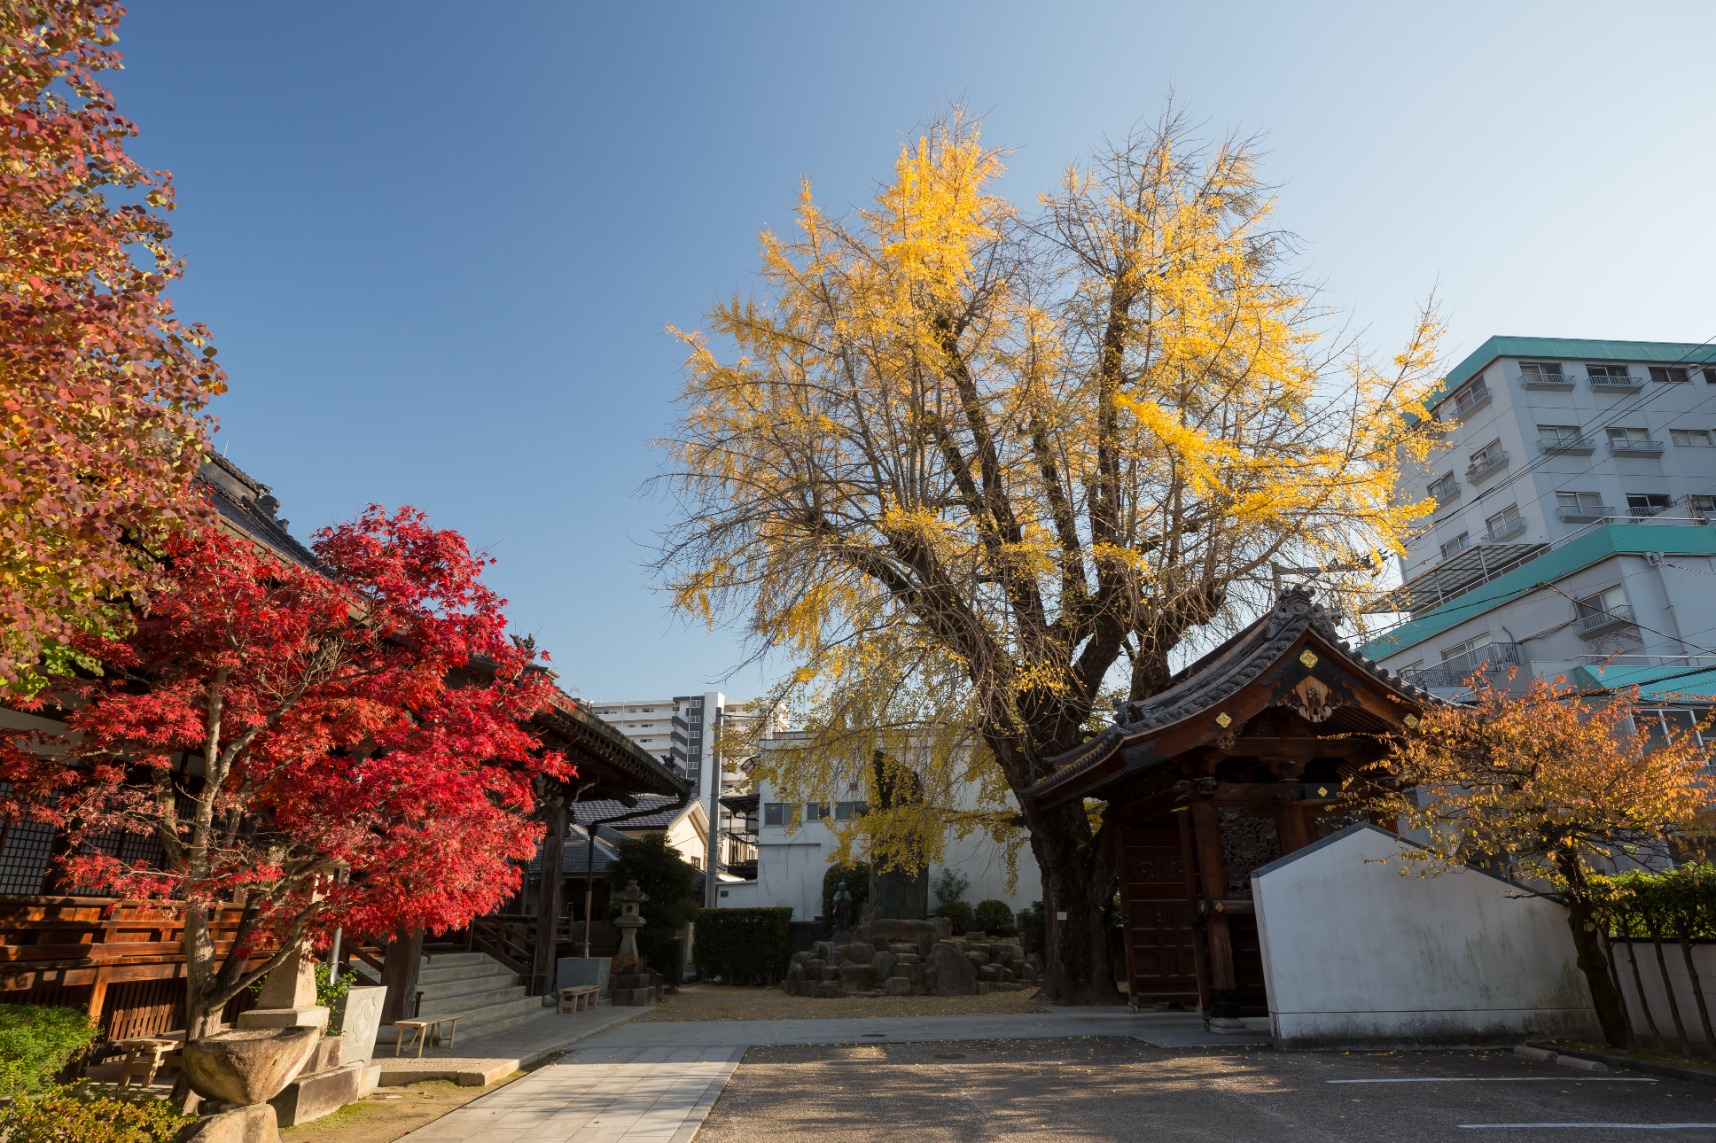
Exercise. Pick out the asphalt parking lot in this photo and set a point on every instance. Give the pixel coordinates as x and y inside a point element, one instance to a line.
<point>1119,1089</point>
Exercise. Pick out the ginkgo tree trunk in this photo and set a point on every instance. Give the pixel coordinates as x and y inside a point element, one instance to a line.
<point>976,470</point>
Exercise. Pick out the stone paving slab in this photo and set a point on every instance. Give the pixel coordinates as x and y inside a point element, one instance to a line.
<point>656,1082</point>
<point>481,1060</point>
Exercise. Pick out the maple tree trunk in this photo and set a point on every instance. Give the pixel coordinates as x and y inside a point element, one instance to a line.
<point>1077,968</point>
<point>202,1018</point>
<point>1588,944</point>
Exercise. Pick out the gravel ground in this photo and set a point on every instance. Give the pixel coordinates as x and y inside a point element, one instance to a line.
<point>1093,1090</point>
<point>729,1002</point>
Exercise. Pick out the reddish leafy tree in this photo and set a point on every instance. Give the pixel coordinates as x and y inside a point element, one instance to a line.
<point>101,387</point>
<point>331,747</point>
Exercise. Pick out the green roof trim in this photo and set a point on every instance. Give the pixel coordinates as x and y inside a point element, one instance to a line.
<point>1660,352</point>
<point>1591,548</point>
<point>1655,684</point>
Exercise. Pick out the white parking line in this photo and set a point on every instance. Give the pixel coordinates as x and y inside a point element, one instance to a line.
<point>1607,1126</point>
<point>1503,1079</point>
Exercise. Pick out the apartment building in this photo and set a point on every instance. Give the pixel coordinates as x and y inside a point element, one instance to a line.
<point>1575,524</point>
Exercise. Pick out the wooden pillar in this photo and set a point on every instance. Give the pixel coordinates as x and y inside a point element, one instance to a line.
<point>548,893</point>
<point>1212,878</point>
<point>399,974</point>
<point>1295,830</point>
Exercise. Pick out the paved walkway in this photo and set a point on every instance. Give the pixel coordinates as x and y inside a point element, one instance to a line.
<point>655,1083</point>
<point>477,1061</point>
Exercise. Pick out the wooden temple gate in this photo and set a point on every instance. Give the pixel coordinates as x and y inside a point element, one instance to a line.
<point>1238,763</point>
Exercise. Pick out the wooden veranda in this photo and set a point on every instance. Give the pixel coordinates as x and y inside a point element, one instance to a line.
<point>1238,763</point>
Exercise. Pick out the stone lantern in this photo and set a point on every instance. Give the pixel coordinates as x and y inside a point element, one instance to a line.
<point>629,922</point>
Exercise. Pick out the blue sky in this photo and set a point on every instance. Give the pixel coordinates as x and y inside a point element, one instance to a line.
<point>438,243</point>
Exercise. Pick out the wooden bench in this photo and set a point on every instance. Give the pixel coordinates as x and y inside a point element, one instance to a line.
<point>426,1029</point>
<point>143,1058</point>
<point>578,997</point>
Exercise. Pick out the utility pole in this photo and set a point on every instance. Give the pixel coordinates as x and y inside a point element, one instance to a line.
<point>712,731</point>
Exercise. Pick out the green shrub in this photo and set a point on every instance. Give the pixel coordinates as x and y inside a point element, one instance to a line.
<point>949,886</point>
<point>958,912</point>
<point>743,946</point>
<point>857,880</point>
<point>70,1116</point>
<point>993,917</point>
<point>1673,904</point>
<point>36,1042</point>
<point>1031,916</point>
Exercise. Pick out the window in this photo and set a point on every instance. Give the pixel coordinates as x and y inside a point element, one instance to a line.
<point>1691,438</point>
<point>1507,522</point>
<point>1671,373</point>
<point>1476,642</point>
<point>815,811</point>
<point>1702,503</point>
<point>1486,458</point>
<point>1616,374</point>
<point>1643,504</point>
<point>1580,505</point>
<point>1444,487</point>
<point>846,811</point>
<point>777,813</point>
<point>1657,725</point>
<point>1559,435</point>
<point>1710,374</point>
<point>1467,398</point>
<point>1549,371</point>
<point>1457,545</point>
<point>1629,436</point>
<point>1602,607</point>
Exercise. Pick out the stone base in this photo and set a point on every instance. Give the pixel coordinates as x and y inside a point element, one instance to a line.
<point>253,1124</point>
<point>633,997</point>
<point>313,1016</point>
<point>371,1078</point>
<point>1228,1026</point>
<point>313,1096</point>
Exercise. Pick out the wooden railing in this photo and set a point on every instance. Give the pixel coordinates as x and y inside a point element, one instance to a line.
<point>508,938</point>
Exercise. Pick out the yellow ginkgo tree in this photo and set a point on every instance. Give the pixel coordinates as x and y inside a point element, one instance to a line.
<point>976,470</point>
<point>1553,785</point>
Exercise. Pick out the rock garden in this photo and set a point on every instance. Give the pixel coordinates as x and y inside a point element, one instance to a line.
<point>911,958</point>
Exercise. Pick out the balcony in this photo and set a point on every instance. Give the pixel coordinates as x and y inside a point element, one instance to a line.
<point>1646,448</point>
<point>1466,402</point>
<point>1495,659</point>
<point>1583,513</point>
<point>1540,380</point>
<point>1597,621</point>
<point>1505,529</point>
<point>1444,492</point>
<point>1613,384</point>
<point>1569,445</point>
<point>1482,466</point>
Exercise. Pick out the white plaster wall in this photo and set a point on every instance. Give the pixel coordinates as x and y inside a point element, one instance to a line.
<point>1657,997</point>
<point>1355,953</point>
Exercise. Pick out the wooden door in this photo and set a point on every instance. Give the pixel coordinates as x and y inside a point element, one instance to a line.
<point>1161,957</point>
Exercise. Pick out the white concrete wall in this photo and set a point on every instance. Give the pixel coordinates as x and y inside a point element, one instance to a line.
<point>1354,953</point>
<point>1656,996</point>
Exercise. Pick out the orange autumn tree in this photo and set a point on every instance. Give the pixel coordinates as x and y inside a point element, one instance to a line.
<point>101,387</point>
<point>1555,782</point>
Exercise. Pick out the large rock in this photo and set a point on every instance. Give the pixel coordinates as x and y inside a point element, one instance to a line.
<point>827,990</point>
<point>857,977</point>
<point>897,986</point>
<point>883,963</point>
<point>858,952</point>
<point>954,975</point>
<point>249,1066</point>
<point>921,935</point>
<point>252,1124</point>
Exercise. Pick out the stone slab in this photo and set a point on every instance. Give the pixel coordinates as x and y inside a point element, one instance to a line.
<point>360,1022</point>
<point>572,971</point>
<point>313,1016</point>
<point>313,1096</point>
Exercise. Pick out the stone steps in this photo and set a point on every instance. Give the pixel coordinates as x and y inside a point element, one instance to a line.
<point>487,996</point>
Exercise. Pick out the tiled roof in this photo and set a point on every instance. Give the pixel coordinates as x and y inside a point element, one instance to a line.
<point>249,506</point>
<point>1215,678</point>
<point>602,808</point>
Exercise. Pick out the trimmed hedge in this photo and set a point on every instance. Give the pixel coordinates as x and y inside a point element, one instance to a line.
<point>1673,904</point>
<point>957,912</point>
<point>993,917</point>
<point>36,1042</point>
<point>69,1116</point>
<point>743,946</point>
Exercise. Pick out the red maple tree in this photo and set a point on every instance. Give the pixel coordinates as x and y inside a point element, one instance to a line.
<point>101,387</point>
<point>338,746</point>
